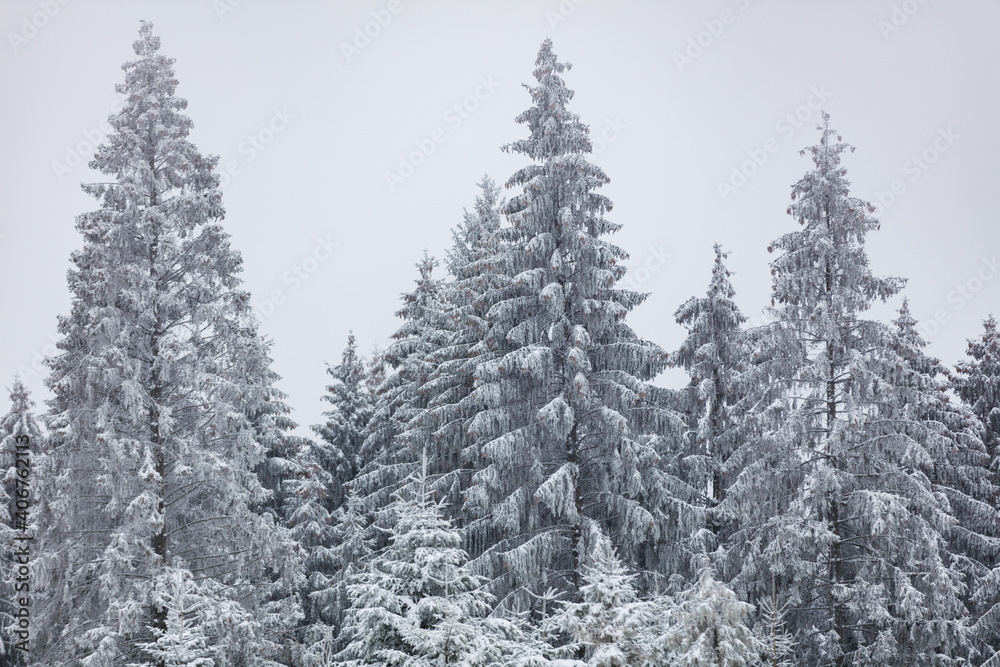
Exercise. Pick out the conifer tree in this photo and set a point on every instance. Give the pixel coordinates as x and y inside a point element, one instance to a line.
<point>271,425</point>
<point>707,627</point>
<point>467,298</point>
<point>611,624</point>
<point>311,524</point>
<point>563,404</point>
<point>183,643</point>
<point>772,631</point>
<point>949,451</point>
<point>715,356</point>
<point>325,469</point>
<point>831,504</point>
<point>396,436</point>
<point>977,383</point>
<point>162,415</point>
<point>335,564</point>
<point>968,473</point>
<point>417,603</point>
<point>344,432</point>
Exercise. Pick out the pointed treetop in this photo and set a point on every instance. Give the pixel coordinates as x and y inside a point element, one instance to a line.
<point>488,195</point>
<point>984,361</point>
<point>720,293</point>
<point>20,397</point>
<point>720,285</point>
<point>471,238</point>
<point>350,353</point>
<point>138,75</point>
<point>148,152</point>
<point>831,241</point>
<point>826,157</point>
<point>555,130</point>
<point>426,265</point>
<point>906,326</point>
<point>147,44</point>
<point>827,151</point>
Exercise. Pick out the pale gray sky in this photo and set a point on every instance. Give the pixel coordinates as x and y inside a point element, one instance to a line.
<point>309,117</point>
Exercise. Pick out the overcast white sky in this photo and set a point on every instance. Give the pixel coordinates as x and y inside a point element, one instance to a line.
<point>684,92</point>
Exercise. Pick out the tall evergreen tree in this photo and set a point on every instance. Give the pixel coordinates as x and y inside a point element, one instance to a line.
<point>976,483</point>
<point>344,432</point>
<point>717,397</point>
<point>21,453</point>
<point>467,298</point>
<point>564,403</point>
<point>396,432</point>
<point>311,524</point>
<point>161,415</point>
<point>977,383</point>
<point>271,426</point>
<point>945,445</point>
<point>831,504</point>
<point>324,471</point>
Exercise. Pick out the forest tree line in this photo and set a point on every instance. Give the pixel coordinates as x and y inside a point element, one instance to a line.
<point>502,484</point>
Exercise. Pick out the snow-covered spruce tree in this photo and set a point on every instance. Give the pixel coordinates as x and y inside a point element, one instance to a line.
<point>344,432</point>
<point>343,543</point>
<point>475,240</point>
<point>707,627</point>
<point>948,449</point>
<point>271,424</point>
<point>324,470</point>
<point>716,358</point>
<point>831,506</point>
<point>563,405</point>
<point>956,460</point>
<point>21,439</point>
<point>977,383</point>
<point>962,468</point>
<point>467,299</point>
<point>160,418</point>
<point>958,464</point>
<point>184,641</point>
<point>611,624</point>
<point>311,525</point>
<point>417,603</point>
<point>772,631</point>
<point>395,436</point>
